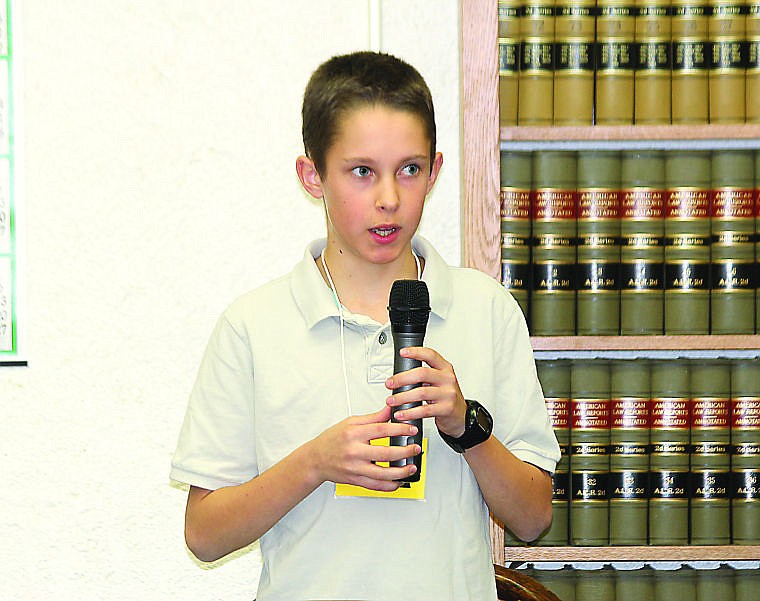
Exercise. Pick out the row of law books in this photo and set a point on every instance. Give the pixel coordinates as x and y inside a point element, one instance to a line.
<point>644,582</point>
<point>584,62</point>
<point>654,452</point>
<point>640,242</point>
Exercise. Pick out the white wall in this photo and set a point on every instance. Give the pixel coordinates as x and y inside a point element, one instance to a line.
<point>158,169</point>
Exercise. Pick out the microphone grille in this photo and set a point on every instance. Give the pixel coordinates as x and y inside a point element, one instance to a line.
<point>409,302</point>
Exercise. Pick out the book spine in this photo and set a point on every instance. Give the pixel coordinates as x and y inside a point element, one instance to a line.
<point>752,74</point>
<point>727,34</point>
<point>555,382</point>
<point>598,254</point>
<point>710,454</point>
<point>745,452</point>
<point>615,59</point>
<point>689,94</point>
<point>554,210</point>
<point>536,78</point>
<point>669,459</point>
<point>629,452</point>
<point>732,227</point>
<point>516,225</point>
<point>687,243</point>
<point>509,53</point>
<point>642,253</point>
<point>757,241</point>
<point>589,454</point>
<point>574,62</point>
<point>671,584</point>
<point>653,62</point>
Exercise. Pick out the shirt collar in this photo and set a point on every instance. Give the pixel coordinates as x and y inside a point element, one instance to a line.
<point>315,300</point>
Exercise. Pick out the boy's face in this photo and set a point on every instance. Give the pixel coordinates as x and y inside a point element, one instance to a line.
<point>377,175</point>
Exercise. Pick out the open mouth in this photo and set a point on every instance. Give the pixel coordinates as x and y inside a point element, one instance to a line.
<point>383,232</point>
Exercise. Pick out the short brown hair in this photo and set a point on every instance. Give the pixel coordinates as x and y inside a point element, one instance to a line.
<point>360,78</point>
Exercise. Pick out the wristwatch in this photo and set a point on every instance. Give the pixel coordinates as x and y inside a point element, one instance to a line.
<point>478,425</point>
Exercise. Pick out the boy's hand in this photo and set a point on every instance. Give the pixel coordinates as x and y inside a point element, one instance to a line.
<point>440,394</point>
<point>343,453</point>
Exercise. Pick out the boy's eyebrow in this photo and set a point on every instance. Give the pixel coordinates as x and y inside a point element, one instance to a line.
<point>360,159</point>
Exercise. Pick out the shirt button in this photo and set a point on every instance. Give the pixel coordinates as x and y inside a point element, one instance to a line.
<point>382,339</point>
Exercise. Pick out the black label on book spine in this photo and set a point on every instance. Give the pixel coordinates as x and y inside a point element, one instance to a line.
<point>509,50</point>
<point>629,485</point>
<point>753,55</point>
<point>653,56</point>
<point>642,276</point>
<point>733,276</point>
<point>728,54</point>
<point>596,276</point>
<point>551,277</point>
<point>686,276</point>
<point>709,484</point>
<point>589,486</point>
<point>630,449</point>
<point>515,276</point>
<point>669,485</point>
<point>746,485</point>
<point>560,482</point>
<point>574,56</point>
<point>614,56</point>
<point>538,56</point>
<point>690,56</point>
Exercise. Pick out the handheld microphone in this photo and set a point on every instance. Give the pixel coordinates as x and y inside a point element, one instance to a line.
<point>408,308</point>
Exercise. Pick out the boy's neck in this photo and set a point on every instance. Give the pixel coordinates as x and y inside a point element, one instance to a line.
<point>364,288</point>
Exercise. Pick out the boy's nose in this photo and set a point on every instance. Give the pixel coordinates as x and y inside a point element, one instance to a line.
<point>388,196</point>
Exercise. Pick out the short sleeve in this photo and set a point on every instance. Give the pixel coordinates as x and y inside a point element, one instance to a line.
<point>530,436</point>
<point>216,446</point>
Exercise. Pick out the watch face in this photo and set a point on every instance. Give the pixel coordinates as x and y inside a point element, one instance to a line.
<point>484,420</point>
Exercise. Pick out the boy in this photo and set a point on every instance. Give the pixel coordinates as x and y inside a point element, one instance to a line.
<point>296,381</point>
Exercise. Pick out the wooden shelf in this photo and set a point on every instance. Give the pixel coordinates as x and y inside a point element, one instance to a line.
<point>642,553</point>
<point>644,343</point>
<point>598,133</point>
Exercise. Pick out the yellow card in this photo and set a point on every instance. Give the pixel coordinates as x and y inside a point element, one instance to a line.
<point>414,490</point>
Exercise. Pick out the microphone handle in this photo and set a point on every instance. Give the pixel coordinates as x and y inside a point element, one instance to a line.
<point>403,340</point>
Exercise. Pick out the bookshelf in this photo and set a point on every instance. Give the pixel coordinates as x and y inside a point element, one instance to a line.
<point>482,141</point>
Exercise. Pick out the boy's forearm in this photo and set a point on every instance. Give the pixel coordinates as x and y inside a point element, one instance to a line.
<point>221,521</point>
<point>517,493</point>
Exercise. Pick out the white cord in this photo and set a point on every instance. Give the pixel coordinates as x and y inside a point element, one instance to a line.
<point>342,322</point>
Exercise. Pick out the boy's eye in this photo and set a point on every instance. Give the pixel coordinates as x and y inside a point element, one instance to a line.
<point>361,171</point>
<point>411,169</point>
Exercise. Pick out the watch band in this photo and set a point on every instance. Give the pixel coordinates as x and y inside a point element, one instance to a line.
<point>478,425</point>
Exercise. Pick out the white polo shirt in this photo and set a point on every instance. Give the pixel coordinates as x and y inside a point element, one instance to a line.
<point>272,379</point>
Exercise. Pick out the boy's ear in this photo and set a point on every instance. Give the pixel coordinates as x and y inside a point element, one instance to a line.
<point>435,169</point>
<point>307,173</point>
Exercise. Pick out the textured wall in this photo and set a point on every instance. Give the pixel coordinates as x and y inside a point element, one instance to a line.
<point>159,146</point>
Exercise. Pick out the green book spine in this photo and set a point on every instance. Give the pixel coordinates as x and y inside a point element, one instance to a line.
<point>732,226</point>
<point>745,452</point>
<point>555,383</point>
<point>560,581</point>
<point>679,584</point>
<point>589,454</point>
<point>536,78</point>
<point>710,452</point>
<point>727,33</point>
<point>597,585</point>
<point>689,92</point>
<point>574,62</point>
<point>716,583</point>
<point>687,243</point>
<point>515,225</point>
<point>752,74</point>
<point>615,60</point>
<point>746,584</point>
<point>598,254</point>
<point>669,458</point>
<point>509,65</point>
<point>554,211</point>
<point>653,62</point>
<point>635,584</point>
<point>629,452</point>
<point>642,252</point>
